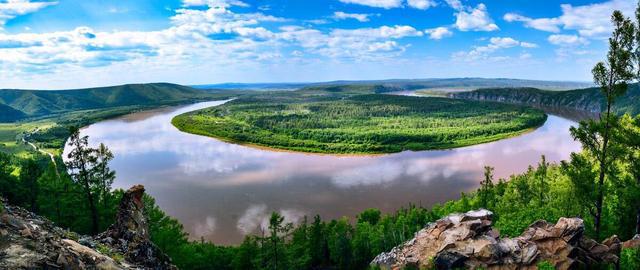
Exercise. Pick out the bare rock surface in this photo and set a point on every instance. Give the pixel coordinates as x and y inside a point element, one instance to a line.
<point>469,241</point>
<point>28,241</point>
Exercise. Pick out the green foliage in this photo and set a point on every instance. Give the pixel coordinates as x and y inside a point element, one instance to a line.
<point>346,121</point>
<point>545,265</point>
<point>630,259</point>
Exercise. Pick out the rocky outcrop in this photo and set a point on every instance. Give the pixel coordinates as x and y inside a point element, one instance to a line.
<point>469,241</point>
<point>28,241</point>
<point>129,235</point>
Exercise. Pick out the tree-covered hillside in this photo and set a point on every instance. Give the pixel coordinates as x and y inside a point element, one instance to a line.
<point>588,99</point>
<point>35,103</point>
<point>8,114</point>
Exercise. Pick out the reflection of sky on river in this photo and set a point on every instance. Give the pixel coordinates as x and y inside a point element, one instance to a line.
<point>220,190</point>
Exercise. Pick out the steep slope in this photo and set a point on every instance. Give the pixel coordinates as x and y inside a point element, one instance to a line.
<point>39,103</point>
<point>589,99</point>
<point>8,114</point>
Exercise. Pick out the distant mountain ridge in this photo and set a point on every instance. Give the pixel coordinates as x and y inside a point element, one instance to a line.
<point>411,84</point>
<point>589,99</point>
<point>19,104</point>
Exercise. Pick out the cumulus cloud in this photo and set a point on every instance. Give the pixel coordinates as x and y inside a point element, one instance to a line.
<point>376,3</point>
<point>495,44</point>
<point>421,4</point>
<point>14,8</point>
<point>472,19</point>
<point>339,15</point>
<point>200,29</point>
<point>387,4</point>
<point>567,40</point>
<point>438,33</point>
<point>544,24</point>
<point>214,3</point>
<point>358,44</point>
<point>590,21</point>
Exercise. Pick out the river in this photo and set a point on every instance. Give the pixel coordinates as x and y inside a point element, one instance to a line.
<point>222,191</point>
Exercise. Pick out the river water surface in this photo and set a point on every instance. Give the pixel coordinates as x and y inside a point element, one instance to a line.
<point>222,191</point>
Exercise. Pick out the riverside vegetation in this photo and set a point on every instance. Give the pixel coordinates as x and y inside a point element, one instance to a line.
<point>340,120</point>
<point>601,184</point>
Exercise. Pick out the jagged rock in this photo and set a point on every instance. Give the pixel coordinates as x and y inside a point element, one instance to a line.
<point>633,243</point>
<point>28,241</point>
<point>467,240</point>
<point>130,233</point>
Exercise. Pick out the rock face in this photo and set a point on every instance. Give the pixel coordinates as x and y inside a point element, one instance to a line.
<point>130,233</point>
<point>468,241</point>
<point>28,241</point>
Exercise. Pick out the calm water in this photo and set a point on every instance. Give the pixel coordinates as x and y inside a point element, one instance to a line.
<point>222,191</point>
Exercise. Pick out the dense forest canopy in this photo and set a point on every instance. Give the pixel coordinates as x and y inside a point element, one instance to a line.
<point>335,120</point>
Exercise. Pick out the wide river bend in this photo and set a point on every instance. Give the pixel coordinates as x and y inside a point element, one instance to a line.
<point>222,191</point>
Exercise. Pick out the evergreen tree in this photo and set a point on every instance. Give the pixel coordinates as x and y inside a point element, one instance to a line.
<point>29,174</point>
<point>541,174</point>
<point>80,163</point>
<point>612,76</point>
<point>104,176</point>
<point>486,187</point>
<point>318,250</point>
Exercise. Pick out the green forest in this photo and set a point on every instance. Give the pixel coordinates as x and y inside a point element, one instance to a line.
<point>371,123</point>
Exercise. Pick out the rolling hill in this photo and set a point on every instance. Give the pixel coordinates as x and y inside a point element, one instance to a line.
<point>8,114</point>
<point>35,103</point>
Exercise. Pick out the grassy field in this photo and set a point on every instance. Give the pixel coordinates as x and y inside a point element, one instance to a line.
<point>350,121</point>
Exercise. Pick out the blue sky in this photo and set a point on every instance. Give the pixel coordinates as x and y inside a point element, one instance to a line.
<point>82,43</point>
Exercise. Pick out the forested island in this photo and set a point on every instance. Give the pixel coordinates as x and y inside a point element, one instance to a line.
<point>346,120</point>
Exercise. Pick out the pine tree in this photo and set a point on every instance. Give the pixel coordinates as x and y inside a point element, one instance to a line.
<point>486,187</point>
<point>612,76</point>
<point>81,159</point>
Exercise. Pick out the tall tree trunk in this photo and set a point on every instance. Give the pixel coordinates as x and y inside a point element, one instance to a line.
<point>92,207</point>
<point>638,212</point>
<point>603,166</point>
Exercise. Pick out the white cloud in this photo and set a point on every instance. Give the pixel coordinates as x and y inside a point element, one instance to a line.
<point>214,3</point>
<point>356,44</point>
<point>387,4</point>
<point>455,4</point>
<point>376,3</point>
<point>14,8</point>
<point>438,33</point>
<point>473,19</point>
<point>339,15</point>
<point>421,4</point>
<point>495,44</point>
<point>590,21</point>
<point>544,24</point>
<point>567,40</point>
